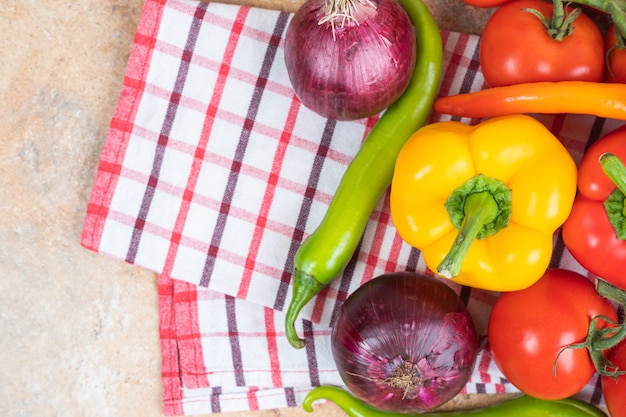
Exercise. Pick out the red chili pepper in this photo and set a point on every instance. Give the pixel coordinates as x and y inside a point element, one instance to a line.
<point>595,231</point>
<point>575,97</point>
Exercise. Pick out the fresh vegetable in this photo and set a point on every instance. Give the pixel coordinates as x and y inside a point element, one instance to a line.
<point>548,339</point>
<point>523,406</point>
<point>615,51</point>
<point>349,59</point>
<point>614,388</point>
<point>326,252</point>
<point>404,342</point>
<point>614,367</point>
<point>533,40</point>
<point>575,97</point>
<point>482,202</point>
<point>595,231</point>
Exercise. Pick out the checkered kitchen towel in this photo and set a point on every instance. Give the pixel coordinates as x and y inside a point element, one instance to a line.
<point>213,173</point>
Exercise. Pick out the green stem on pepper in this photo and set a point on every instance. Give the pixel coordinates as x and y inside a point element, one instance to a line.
<point>614,168</point>
<point>615,205</point>
<point>479,208</point>
<point>305,287</point>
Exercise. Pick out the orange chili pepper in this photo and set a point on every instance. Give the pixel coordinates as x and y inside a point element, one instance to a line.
<point>575,97</point>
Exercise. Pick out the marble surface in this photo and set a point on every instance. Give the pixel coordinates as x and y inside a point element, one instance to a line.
<point>79,330</point>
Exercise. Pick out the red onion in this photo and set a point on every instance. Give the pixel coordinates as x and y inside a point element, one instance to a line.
<point>404,342</point>
<point>349,59</point>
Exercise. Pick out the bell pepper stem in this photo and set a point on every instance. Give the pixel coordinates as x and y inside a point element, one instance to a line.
<point>615,204</point>
<point>480,209</point>
<point>614,168</point>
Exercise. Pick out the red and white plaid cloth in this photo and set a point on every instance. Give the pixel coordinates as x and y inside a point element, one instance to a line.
<point>213,173</point>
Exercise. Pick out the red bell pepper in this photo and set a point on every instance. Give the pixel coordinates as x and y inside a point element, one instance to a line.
<point>595,231</point>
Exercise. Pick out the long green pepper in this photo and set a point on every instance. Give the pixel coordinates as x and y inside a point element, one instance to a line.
<point>327,251</point>
<point>522,406</point>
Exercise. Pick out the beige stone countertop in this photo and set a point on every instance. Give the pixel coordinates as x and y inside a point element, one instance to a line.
<point>79,331</point>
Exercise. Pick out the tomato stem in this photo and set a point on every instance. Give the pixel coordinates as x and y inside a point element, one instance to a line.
<point>562,23</point>
<point>620,38</point>
<point>620,44</point>
<point>600,340</point>
<point>615,8</point>
<point>612,292</point>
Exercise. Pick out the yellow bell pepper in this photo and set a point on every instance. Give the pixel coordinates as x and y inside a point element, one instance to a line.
<point>482,202</point>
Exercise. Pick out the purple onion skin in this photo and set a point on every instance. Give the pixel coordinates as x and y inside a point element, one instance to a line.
<point>404,321</point>
<point>359,73</point>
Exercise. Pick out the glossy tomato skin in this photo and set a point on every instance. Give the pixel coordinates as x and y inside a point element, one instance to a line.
<point>515,48</point>
<point>616,59</point>
<point>615,390</point>
<point>528,328</point>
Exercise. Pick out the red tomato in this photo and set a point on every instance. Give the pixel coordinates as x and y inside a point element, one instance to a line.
<point>529,328</point>
<point>615,390</point>
<point>516,48</point>
<point>616,69</point>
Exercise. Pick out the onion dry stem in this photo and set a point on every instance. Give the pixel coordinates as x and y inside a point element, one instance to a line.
<point>406,377</point>
<point>342,10</point>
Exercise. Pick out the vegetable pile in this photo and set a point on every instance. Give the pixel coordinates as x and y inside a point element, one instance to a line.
<point>483,202</point>
<point>549,57</point>
<point>327,251</point>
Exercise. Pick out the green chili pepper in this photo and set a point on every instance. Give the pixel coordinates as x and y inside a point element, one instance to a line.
<point>327,251</point>
<point>523,406</point>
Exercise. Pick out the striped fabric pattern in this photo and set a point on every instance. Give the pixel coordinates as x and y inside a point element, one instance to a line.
<point>213,173</point>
